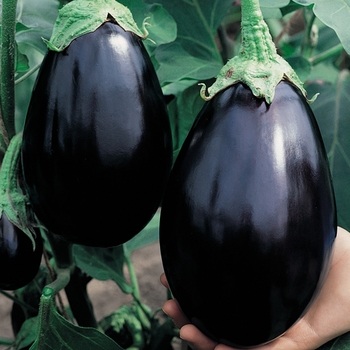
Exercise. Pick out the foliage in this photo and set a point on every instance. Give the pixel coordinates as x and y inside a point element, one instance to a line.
<point>56,332</point>
<point>189,41</point>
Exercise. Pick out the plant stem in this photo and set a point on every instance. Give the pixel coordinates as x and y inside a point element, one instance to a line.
<point>256,43</point>
<point>75,288</point>
<point>5,341</point>
<point>133,277</point>
<point>18,301</point>
<point>257,64</point>
<point>343,76</point>
<point>28,74</point>
<point>7,123</point>
<point>62,279</point>
<point>310,39</point>
<point>46,304</point>
<point>143,314</point>
<point>333,51</point>
<point>79,300</point>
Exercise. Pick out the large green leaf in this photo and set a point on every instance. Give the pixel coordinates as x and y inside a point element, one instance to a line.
<point>273,3</point>
<point>161,26</point>
<point>335,14</point>
<point>301,66</point>
<point>331,109</point>
<point>103,264</point>
<point>179,68</point>
<point>55,332</point>
<point>35,21</point>
<point>27,334</point>
<point>195,47</point>
<point>38,17</point>
<point>304,2</point>
<point>197,23</point>
<point>183,111</point>
<point>193,57</point>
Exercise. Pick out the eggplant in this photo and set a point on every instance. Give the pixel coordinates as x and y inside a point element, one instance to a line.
<point>18,260</point>
<point>97,147</point>
<point>248,219</point>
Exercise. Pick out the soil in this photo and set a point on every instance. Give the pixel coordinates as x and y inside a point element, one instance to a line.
<point>106,295</point>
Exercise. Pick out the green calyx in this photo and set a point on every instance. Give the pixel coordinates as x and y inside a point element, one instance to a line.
<point>257,64</point>
<point>81,17</point>
<point>13,202</point>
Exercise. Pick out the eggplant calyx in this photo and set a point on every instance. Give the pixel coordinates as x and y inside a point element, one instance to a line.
<point>14,204</point>
<point>257,64</point>
<point>81,17</point>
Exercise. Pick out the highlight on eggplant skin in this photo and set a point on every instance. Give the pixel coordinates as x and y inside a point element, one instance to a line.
<point>19,262</point>
<point>248,219</point>
<point>97,148</point>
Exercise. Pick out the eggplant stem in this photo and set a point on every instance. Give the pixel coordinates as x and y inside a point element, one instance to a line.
<point>257,64</point>
<point>257,43</point>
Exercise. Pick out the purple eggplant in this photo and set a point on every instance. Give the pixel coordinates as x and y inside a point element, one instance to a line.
<point>249,217</point>
<point>97,147</point>
<point>19,262</point>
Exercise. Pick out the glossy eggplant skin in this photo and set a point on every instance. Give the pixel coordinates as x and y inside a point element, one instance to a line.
<point>19,262</point>
<point>249,217</point>
<point>97,147</point>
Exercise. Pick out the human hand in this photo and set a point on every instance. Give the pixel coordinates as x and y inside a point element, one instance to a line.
<point>327,318</point>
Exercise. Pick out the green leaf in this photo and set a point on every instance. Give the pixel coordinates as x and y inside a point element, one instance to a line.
<point>176,64</point>
<point>301,66</point>
<point>290,8</point>
<point>340,343</point>
<point>103,264</point>
<point>147,236</point>
<point>271,8</point>
<point>331,109</point>
<point>326,72</point>
<point>274,3</point>
<point>193,57</point>
<point>22,62</point>
<point>182,112</point>
<point>6,341</point>
<point>161,26</point>
<point>194,54</point>
<point>13,202</point>
<point>35,21</point>
<point>126,324</point>
<point>304,2</point>
<point>27,333</point>
<point>269,13</point>
<point>21,27</point>
<point>197,23</point>
<point>335,14</point>
<point>55,332</point>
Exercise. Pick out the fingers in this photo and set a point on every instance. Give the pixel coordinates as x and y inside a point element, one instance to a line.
<point>196,339</point>
<point>164,281</point>
<point>173,310</point>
